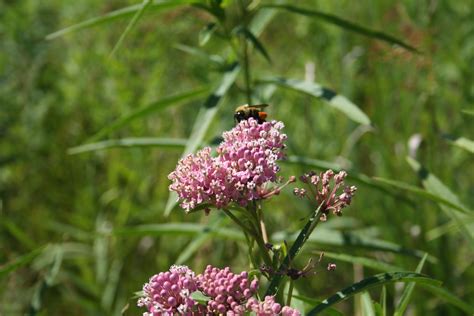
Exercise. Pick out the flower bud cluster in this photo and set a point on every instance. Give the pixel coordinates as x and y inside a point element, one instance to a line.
<point>245,162</point>
<point>228,291</point>
<point>170,293</point>
<point>326,194</point>
<point>269,308</point>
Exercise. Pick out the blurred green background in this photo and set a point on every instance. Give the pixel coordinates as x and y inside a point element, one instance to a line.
<point>85,212</point>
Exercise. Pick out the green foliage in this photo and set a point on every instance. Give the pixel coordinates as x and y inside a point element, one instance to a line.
<point>83,228</point>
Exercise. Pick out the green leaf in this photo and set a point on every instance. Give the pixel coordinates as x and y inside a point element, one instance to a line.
<point>203,121</point>
<point>423,193</point>
<point>296,247</point>
<point>206,33</point>
<point>337,101</point>
<point>370,282</point>
<point>468,112</point>
<point>462,142</point>
<point>170,143</point>
<point>408,291</point>
<point>19,262</point>
<point>367,305</point>
<point>309,300</point>
<point>147,110</point>
<point>249,36</point>
<point>333,238</point>
<point>366,262</point>
<point>197,241</point>
<point>216,59</point>
<point>448,297</point>
<point>156,5</point>
<point>138,14</point>
<point>433,185</point>
<point>350,26</point>
<point>181,229</point>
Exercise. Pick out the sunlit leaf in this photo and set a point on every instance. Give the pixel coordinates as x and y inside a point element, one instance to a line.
<point>366,262</point>
<point>216,59</point>
<point>433,185</point>
<point>138,14</point>
<point>371,282</point>
<point>169,143</point>
<point>408,291</point>
<point>146,110</point>
<point>334,99</point>
<point>367,305</point>
<point>249,36</point>
<point>206,33</point>
<point>19,262</point>
<point>345,24</point>
<point>423,193</point>
<point>156,5</point>
<point>462,142</point>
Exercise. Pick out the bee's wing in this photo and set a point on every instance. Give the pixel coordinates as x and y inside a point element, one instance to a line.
<point>263,105</point>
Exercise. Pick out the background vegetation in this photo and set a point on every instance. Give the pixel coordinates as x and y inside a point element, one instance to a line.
<point>83,229</point>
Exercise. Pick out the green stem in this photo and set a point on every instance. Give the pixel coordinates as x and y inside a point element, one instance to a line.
<point>252,209</point>
<point>290,293</point>
<point>239,222</point>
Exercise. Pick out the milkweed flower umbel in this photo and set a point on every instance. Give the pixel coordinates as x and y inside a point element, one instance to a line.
<point>246,161</point>
<point>228,291</point>
<point>270,308</point>
<point>168,293</point>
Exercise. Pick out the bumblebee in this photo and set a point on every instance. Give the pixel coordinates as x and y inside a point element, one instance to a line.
<point>244,112</point>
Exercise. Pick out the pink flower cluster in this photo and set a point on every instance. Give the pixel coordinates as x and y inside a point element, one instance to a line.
<point>245,162</point>
<point>170,293</point>
<point>325,194</point>
<point>227,290</point>
<point>269,307</point>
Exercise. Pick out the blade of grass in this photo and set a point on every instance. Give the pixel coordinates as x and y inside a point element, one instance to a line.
<point>462,142</point>
<point>345,24</point>
<point>408,291</point>
<point>367,305</point>
<point>433,185</point>
<point>204,119</point>
<point>156,5</point>
<point>449,297</point>
<point>334,99</point>
<point>169,143</point>
<point>350,240</point>
<point>366,262</point>
<point>250,37</point>
<point>19,262</point>
<point>370,282</point>
<point>423,193</point>
<point>216,59</point>
<point>138,14</point>
<point>147,110</point>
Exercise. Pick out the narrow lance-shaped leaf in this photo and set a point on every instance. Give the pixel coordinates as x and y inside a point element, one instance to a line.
<point>170,143</point>
<point>147,110</point>
<point>206,33</point>
<point>19,262</point>
<point>370,282</point>
<point>216,59</point>
<point>408,291</point>
<point>249,36</point>
<point>294,250</point>
<point>433,185</point>
<point>462,142</point>
<point>203,121</point>
<point>350,26</point>
<point>423,193</point>
<point>156,5</point>
<point>138,14</point>
<point>337,101</point>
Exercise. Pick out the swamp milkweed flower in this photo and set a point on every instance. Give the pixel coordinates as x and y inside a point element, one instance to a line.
<point>246,161</point>
<point>170,293</point>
